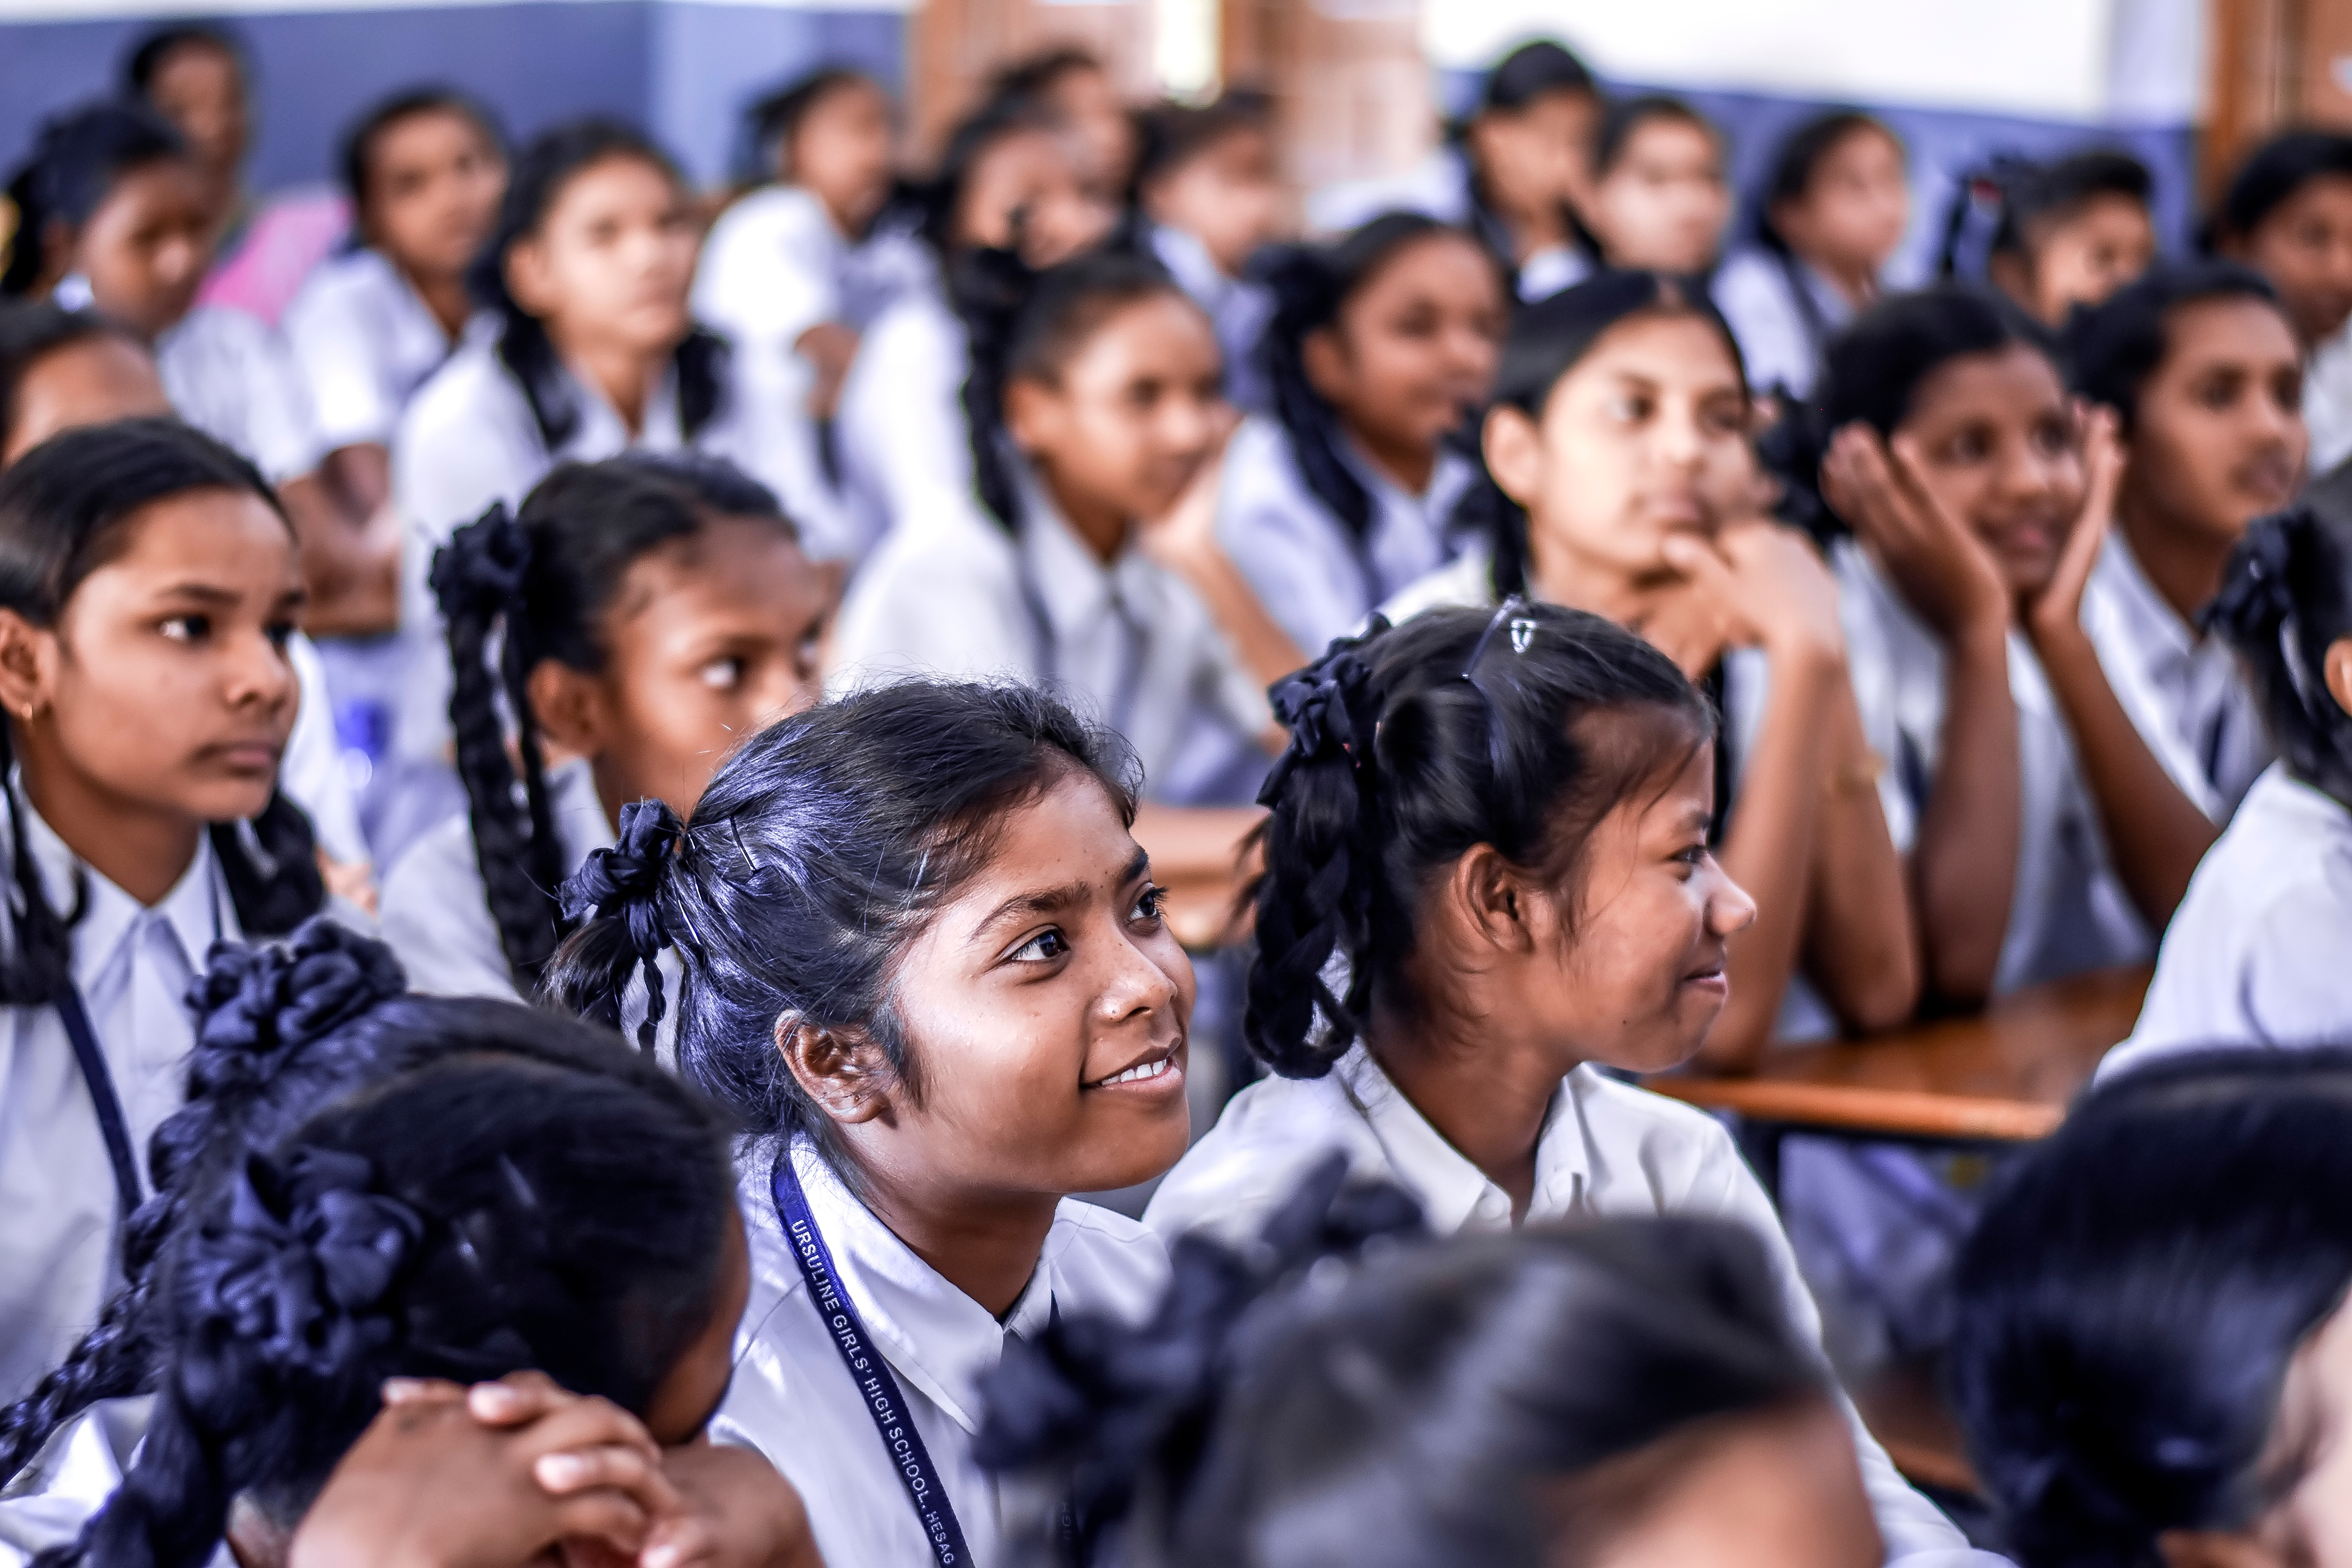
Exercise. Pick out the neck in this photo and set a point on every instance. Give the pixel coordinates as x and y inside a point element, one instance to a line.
<point>2184,565</point>
<point>1533,229</point>
<point>1859,284</point>
<point>1101,528</point>
<point>626,376</point>
<point>1408,463</point>
<point>1560,574</point>
<point>141,851</point>
<point>446,297</point>
<point>986,1244</point>
<point>1485,1091</point>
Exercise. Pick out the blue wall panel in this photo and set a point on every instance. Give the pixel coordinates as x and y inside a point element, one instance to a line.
<point>710,61</point>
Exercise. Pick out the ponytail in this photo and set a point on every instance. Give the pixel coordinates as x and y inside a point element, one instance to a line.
<point>2286,599</point>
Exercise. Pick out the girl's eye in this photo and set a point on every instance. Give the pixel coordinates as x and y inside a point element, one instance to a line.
<point>1044,948</point>
<point>1694,856</point>
<point>187,628</point>
<point>1629,409</point>
<point>1153,905</point>
<point>280,633</point>
<point>723,674</point>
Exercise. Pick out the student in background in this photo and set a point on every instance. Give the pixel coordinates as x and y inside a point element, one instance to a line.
<point>1660,199</point>
<point>425,171</point>
<point>2200,365</point>
<point>926,968</point>
<point>1487,882</point>
<point>2156,1359</point>
<point>1621,426</point>
<point>1072,86</point>
<point>1009,177</point>
<point>639,617</point>
<point>2287,214</point>
<point>150,591</point>
<point>2254,957</point>
<point>2064,233</point>
<point>1382,346</point>
<point>1831,211</point>
<point>1208,185</point>
<point>796,270</point>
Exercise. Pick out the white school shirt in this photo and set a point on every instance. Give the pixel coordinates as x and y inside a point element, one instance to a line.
<point>133,965</point>
<point>2069,911</point>
<point>793,1401</point>
<point>899,428</point>
<point>2181,687</point>
<point>1607,1151</point>
<point>233,378</point>
<point>1312,575</point>
<point>2328,400</point>
<point>364,341</point>
<point>435,913</point>
<point>1237,307</point>
<point>2255,954</point>
<point>1756,290</point>
<point>311,770</point>
<point>952,595</point>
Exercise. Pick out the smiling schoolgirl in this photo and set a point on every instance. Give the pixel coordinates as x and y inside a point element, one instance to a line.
<point>2287,214</point>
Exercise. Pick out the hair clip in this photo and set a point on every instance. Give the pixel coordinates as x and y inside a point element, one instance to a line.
<point>1512,612</point>
<point>735,825</point>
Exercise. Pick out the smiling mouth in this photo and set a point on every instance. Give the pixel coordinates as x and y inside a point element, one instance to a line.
<point>1149,1070</point>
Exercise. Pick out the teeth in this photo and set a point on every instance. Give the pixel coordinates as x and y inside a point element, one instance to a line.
<point>1140,1073</point>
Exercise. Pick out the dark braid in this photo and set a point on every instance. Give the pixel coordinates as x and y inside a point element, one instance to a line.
<point>2285,600</point>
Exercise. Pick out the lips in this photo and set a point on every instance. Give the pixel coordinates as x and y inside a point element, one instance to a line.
<point>1159,1066</point>
<point>245,756</point>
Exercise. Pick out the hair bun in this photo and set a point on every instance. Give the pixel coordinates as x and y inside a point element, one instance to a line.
<point>626,880</point>
<point>1327,706</point>
<point>257,1004</point>
<point>480,571</point>
<point>2255,595</point>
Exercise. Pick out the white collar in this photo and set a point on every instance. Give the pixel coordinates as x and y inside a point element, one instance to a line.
<point>582,823</point>
<point>1452,1190</point>
<point>603,431</point>
<point>196,910</point>
<point>1448,479</point>
<point>1195,270</point>
<point>2155,624</point>
<point>1074,586</point>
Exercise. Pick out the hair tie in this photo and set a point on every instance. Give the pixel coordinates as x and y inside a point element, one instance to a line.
<point>480,571</point>
<point>1328,705</point>
<point>256,1004</point>
<point>2254,589</point>
<point>625,881</point>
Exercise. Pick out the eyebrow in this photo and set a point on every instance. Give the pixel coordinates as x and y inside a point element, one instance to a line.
<point>1052,900</point>
<point>202,592</point>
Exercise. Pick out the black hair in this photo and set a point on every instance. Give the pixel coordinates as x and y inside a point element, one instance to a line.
<point>1546,340</point>
<point>563,1210</point>
<point>76,160</point>
<point>1171,135</point>
<point>1797,163</point>
<point>1311,284</point>
<point>2133,1293</point>
<point>1532,71</point>
<point>1625,116</point>
<point>154,46</point>
<point>542,171</point>
<point>1032,79</point>
<point>815,855</point>
<point>2271,176</point>
<point>1347,1390</point>
<point>520,587</point>
<point>32,330</point>
<point>63,506</point>
<point>2115,346</point>
<point>1025,323</point>
<point>2286,599</point>
<point>772,121</point>
<point>1408,747</point>
<point>2015,198</point>
<point>937,202</point>
<point>359,146</point>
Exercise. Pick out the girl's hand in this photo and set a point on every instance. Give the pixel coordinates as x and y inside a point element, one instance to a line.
<point>739,1513</point>
<point>1940,568</point>
<point>2057,610</point>
<point>1186,533</point>
<point>1769,588</point>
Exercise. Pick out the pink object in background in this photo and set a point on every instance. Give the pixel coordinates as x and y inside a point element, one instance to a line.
<point>267,264</point>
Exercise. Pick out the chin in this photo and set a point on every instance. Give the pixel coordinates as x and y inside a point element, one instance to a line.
<point>230,800</point>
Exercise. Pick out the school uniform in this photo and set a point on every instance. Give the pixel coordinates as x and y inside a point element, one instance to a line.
<point>951,593</point>
<point>233,378</point>
<point>310,772</point>
<point>1607,1150</point>
<point>899,428</point>
<point>2181,687</point>
<point>1783,313</point>
<point>1441,186</point>
<point>2255,953</point>
<point>133,965</point>
<point>2328,400</point>
<point>1237,307</point>
<point>48,1503</point>
<point>364,340</point>
<point>1318,579</point>
<point>795,1400</point>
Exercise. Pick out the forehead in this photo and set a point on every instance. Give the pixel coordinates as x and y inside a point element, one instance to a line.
<point>1163,331</point>
<point>2237,328</point>
<point>2011,379</point>
<point>426,133</point>
<point>1678,350</point>
<point>201,536</point>
<point>622,179</point>
<point>1669,136</point>
<point>196,66</point>
<point>2322,196</point>
<point>1069,833</point>
<point>1443,259</point>
<point>729,564</point>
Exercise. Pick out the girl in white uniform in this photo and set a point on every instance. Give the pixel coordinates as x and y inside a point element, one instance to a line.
<point>2054,235</point>
<point>1208,190</point>
<point>1381,348</point>
<point>1621,426</point>
<point>1661,199</point>
<point>1832,211</point>
<point>641,615</point>
<point>2287,213</point>
<point>1489,879</point>
<point>2200,365</point>
<point>924,964</point>
<point>2255,955</point>
<point>149,698</point>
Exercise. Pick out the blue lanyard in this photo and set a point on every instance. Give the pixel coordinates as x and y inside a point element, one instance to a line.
<point>111,1123</point>
<point>877,1388</point>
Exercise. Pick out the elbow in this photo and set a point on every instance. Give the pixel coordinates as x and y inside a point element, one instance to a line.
<point>1883,995</point>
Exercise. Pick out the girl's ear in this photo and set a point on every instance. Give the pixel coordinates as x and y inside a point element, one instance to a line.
<point>28,655</point>
<point>1514,449</point>
<point>2336,670</point>
<point>1325,360</point>
<point>1033,414</point>
<point>1493,905</point>
<point>843,1071</point>
<point>570,707</point>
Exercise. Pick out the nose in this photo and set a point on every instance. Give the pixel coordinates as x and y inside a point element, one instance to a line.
<point>1728,907</point>
<point>1137,986</point>
<point>1676,438</point>
<point>259,675</point>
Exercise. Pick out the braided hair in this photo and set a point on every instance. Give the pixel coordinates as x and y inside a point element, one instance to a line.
<point>816,855</point>
<point>2285,600</point>
<point>1348,1391</point>
<point>62,507</point>
<point>562,1207</point>
<point>542,172</point>
<point>1411,745</point>
<point>517,588</point>
<point>76,159</point>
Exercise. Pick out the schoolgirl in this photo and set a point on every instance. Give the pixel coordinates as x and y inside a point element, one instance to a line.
<point>1207,183</point>
<point>1487,881</point>
<point>640,615</point>
<point>2156,1359</point>
<point>2287,214</point>
<point>925,965</point>
<point>2054,235</point>
<point>147,590</point>
<point>1660,198</point>
<point>1009,177</point>
<point>2253,956</point>
<point>1624,483</point>
<point>1088,558</point>
<point>1832,209</point>
<point>1382,345</point>
<point>2200,365</point>
<point>425,171</point>
<point>1073,87</point>
<point>1515,171</point>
